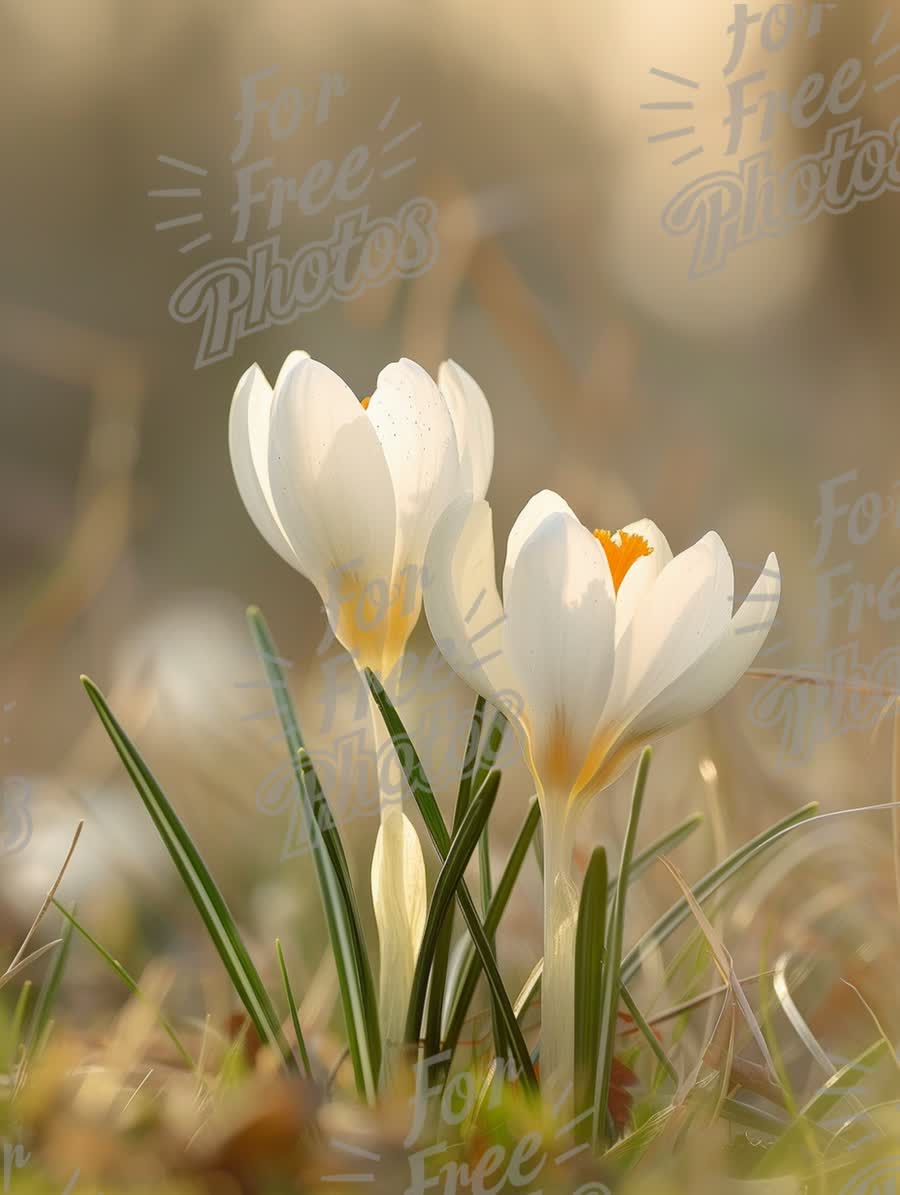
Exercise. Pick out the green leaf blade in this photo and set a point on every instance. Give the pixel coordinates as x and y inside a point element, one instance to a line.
<point>611,982</point>
<point>451,875</point>
<point>437,829</point>
<point>441,961</point>
<point>589,955</point>
<point>207,898</point>
<point>359,1002</point>
<point>463,991</point>
<point>666,925</point>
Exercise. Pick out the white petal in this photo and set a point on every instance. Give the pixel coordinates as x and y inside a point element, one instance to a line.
<point>676,618</point>
<point>722,665</point>
<point>462,604</point>
<point>415,430</point>
<point>288,364</point>
<point>560,643</point>
<point>533,513</point>
<point>400,900</point>
<point>330,483</point>
<point>248,445</point>
<point>474,425</point>
<point>642,573</point>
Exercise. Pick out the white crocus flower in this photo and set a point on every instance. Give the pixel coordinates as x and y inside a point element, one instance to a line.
<point>348,492</point>
<point>600,643</point>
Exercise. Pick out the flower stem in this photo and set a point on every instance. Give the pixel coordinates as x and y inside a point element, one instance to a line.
<point>558,983</point>
<point>398,894</point>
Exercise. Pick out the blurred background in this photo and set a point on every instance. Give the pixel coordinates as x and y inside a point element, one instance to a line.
<point>724,400</point>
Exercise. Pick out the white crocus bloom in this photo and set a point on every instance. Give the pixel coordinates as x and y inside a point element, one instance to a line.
<point>600,643</point>
<point>348,492</point>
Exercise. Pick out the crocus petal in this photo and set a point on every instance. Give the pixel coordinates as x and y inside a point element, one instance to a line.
<point>288,364</point>
<point>400,900</point>
<point>248,440</point>
<point>642,573</point>
<point>722,665</point>
<point>330,483</point>
<point>415,430</point>
<point>559,637</point>
<point>677,617</point>
<point>462,604</point>
<point>473,423</point>
<point>535,510</point>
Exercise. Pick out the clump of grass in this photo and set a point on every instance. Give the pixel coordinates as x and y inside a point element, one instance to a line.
<point>728,1084</point>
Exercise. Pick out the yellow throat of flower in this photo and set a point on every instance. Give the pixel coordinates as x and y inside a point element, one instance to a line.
<point>375,618</point>
<point>623,553</point>
<point>364,402</point>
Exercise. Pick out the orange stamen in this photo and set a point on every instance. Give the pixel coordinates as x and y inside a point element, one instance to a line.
<point>364,402</point>
<point>622,555</point>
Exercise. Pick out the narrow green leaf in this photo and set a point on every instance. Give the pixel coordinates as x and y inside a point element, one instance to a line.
<point>434,822</point>
<point>349,958</point>
<point>470,764</point>
<point>462,992</point>
<point>320,809</point>
<point>590,941</point>
<point>43,1009</point>
<point>661,846</point>
<point>641,862</point>
<point>451,874</point>
<point>358,1000</point>
<point>530,989</point>
<point>710,883</point>
<point>441,961</point>
<point>484,880</point>
<point>840,1086</point>
<point>485,763</point>
<point>647,1032</point>
<point>738,1112</point>
<point>292,1005</point>
<point>206,896</point>
<point>609,988</point>
<point>129,982</point>
<point>15,1028</point>
<point>491,750</point>
<point>627,1152</point>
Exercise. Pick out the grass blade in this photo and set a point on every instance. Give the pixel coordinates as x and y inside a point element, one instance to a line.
<point>660,846</point>
<point>43,1008</point>
<point>15,1027</point>
<point>609,988</point>
<point>470,972</point>
<point>431,814</point>
<point>351,961</point>
<point>639,865</point>
<point>842,1084</point>
<point>724,964</point>
<point>627,1152</point>
<point>441,961</point>
<point>470,762</point>
<point>451,874</point>
<point>129,982</point>
<point>530,989</point>
<point>358,1000</point>
<point>710,883</point>
<point>491,750</point>
<point>649,1036</point>
<point>292,1005</point>
<point>15,968</point>
<point>320,810</point>
<point>486,762</point>
<point>589,952</point>
<point>206,896</point>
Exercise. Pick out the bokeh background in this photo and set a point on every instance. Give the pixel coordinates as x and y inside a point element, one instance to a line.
<point>723,401</point>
